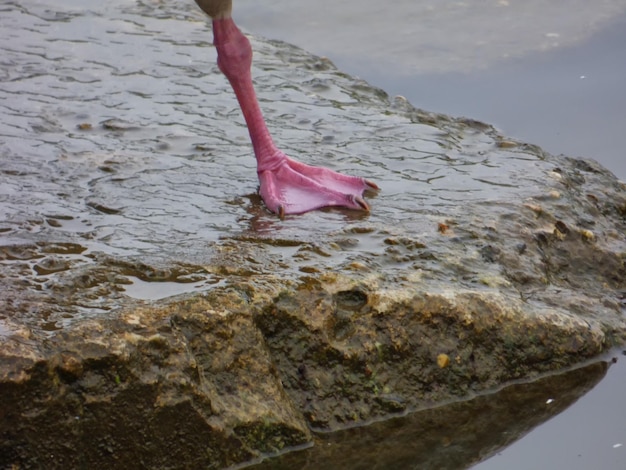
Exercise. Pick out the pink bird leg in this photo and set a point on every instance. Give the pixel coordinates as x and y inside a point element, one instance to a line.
<point>287,186</point>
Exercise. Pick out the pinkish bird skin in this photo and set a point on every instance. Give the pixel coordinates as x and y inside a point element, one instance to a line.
<point>286,186</point>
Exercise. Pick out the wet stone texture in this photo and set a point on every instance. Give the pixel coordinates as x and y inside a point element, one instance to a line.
<point>154,313</point>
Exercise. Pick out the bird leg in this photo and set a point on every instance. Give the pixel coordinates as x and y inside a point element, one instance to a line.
<point>286,186</point>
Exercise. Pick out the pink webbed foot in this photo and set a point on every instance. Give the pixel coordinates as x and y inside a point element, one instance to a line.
<point>292,187</point>
<point>287,186</point>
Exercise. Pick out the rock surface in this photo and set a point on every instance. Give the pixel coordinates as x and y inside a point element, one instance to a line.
<point>126,176</point>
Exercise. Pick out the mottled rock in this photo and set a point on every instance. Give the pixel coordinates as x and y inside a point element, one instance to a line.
<point>155,315</point>
<point>346,365</point>
<point>190,385</point>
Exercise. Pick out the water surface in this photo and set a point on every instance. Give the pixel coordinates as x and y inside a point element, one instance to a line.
<point>548,72</point>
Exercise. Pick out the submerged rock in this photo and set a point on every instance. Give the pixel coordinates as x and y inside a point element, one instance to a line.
<point>484,260</point>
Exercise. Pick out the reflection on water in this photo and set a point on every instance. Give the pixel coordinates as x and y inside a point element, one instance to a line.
<point>452,436</point>
<point>589,434</point>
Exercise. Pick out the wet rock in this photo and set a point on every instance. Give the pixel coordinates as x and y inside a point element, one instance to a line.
<point>150,383</point>
<point>398,343</point>
<point>483,261</point>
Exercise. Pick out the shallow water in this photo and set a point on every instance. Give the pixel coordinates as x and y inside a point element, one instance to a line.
<point>568,99</point>
<point>549,73</point>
